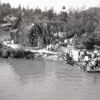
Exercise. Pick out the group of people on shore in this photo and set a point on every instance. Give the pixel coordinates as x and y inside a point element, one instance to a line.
<point>86,58</point>
<point>90,60</point>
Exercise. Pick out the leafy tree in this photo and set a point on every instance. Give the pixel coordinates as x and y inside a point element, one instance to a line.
<point>5,9</point>
<point>37,11</point>
<point>89,42</point>
<point>63,14</point>
<point>50,14</point>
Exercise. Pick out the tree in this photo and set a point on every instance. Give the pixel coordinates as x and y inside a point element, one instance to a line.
<point>37,11</point>
<point>63,14</point>
<point>50,14</point>
<point>89,42</point>
<point>5,9</point>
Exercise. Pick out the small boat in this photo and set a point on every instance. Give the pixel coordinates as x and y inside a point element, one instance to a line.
<point>95,70</point>
<point>87,68</point>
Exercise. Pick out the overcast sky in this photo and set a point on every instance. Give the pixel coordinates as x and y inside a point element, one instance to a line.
<point>56,4</point>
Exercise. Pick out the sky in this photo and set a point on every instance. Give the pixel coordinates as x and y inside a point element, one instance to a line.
<point>56,4</point>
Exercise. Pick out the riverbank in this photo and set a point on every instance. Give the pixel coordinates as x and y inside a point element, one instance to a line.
<point>11,50</point>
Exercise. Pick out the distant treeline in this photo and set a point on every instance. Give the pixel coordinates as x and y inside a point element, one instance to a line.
<point>85,24</point>
<point>36,14</point>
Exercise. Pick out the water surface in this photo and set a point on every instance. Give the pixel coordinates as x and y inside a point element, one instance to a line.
<point>46,80</point>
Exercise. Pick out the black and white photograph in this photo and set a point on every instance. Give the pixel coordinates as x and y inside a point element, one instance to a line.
<point>49,49</point>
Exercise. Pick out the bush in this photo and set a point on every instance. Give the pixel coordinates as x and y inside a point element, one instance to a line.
<point>89,42</point>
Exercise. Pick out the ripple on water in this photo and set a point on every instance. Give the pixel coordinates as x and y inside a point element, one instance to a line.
<point>46,80</point>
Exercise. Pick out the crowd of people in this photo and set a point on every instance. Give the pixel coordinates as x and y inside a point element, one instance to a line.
<point>90,60</point>
<point>86,58</point>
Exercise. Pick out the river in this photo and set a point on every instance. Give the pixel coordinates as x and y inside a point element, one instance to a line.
<point>46,80</point>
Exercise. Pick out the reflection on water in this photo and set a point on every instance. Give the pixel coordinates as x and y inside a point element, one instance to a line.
<point>46,80</point>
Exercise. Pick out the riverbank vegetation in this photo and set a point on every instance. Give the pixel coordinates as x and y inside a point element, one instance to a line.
<point>82,24</point>
<point>8,52</point>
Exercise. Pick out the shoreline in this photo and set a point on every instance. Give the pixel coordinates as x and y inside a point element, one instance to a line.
<point>17,51</point>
